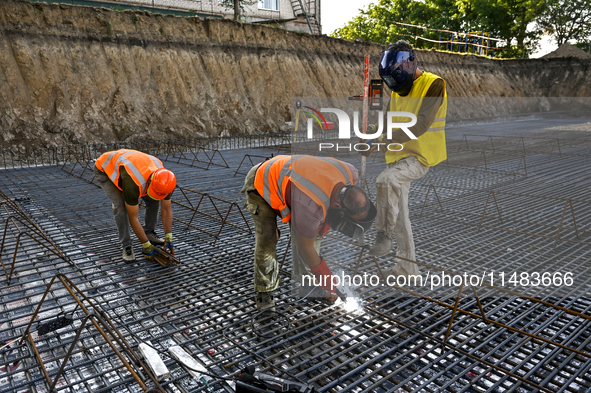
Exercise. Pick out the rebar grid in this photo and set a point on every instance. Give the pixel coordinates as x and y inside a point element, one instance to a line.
<point>18,225</point>
<point>181,153</point>
<point>206,302</point>
<point>251,163</point>
<point>222,208</point>
<point>111,337</point>
<point>167,149</point>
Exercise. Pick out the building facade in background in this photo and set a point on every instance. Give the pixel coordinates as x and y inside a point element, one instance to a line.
<point>294,15</point>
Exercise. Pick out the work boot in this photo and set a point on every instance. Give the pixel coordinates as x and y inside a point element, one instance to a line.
<point>389,272</point>
<point>155,240</point>
<point>382,245</point>
<point>128,255</point>
<point>265,301</point>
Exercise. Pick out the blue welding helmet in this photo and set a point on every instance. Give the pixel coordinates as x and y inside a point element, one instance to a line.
<point>397,70</point>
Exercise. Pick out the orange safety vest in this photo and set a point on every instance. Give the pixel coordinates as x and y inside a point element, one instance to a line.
<point>315,176</point>
<point>138,165</point>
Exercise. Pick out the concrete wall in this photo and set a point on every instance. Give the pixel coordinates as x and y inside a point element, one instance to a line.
<point>82,75</point>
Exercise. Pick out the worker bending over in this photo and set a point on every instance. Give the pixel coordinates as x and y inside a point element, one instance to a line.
<point>127,175</point>
<point>423,94</point>
<point>313,194</point>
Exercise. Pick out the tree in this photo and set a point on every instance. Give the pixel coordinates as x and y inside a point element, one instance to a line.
<point>376,23</point>
<point>512,20</point>
<point>567,20</point>
<point>507,19</point>
<point>238,6</point>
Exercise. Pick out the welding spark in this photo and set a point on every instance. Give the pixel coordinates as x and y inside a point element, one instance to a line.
<point>351,305</point>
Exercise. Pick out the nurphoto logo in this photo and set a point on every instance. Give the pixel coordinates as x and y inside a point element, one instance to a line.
<point>394,120</point>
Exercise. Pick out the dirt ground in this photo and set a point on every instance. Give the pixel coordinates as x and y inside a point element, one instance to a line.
<point>567,50</point>
<point>79,75</point>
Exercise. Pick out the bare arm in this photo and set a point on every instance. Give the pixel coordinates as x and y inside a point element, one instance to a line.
<point>166,209</point>
<point>132,212</point>
<point>426,116</point>
<point>306,247</point>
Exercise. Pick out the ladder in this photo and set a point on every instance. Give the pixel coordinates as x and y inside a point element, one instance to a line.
<point>300,10</point>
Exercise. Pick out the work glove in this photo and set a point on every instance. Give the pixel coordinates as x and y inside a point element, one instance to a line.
<point>149,251</point>
<point>324,276</point>
<point>168,242</point>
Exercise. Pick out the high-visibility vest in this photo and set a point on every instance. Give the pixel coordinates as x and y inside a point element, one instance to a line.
<point>138,165</point>
<point>430,147</point>
<point>315,176</point>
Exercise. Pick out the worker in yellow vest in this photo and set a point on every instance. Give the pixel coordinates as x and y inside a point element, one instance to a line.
<point>422,94</point>
<point>127,175</point>
<point>314,195</point>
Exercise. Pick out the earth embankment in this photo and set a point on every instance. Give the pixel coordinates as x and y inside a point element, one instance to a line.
<point>73,75</point>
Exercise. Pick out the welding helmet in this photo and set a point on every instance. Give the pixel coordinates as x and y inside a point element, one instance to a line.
<point>397,70</point>
<point>162,183</point>
<point>341,219</point>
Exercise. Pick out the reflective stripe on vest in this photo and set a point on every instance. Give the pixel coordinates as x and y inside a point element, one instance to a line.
<point>430,147</point>
<point>308,184</point>
<point>138,165</point>
<point>108,160</point>
<point>315,176</point>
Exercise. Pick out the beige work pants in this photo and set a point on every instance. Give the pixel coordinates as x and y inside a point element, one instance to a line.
<point>393,185</point>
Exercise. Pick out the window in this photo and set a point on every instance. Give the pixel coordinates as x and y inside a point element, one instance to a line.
<point>269,5</point>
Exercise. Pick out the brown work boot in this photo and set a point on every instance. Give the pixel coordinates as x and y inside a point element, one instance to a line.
<point>382,245</point>
<point>264,301</point>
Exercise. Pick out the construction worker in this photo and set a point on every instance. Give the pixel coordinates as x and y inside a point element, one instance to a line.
<point>127,175</point>
<point>422,94</point>
<point>313,194</point>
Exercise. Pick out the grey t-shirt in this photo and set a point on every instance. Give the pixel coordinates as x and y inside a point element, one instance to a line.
<point>307,215</point>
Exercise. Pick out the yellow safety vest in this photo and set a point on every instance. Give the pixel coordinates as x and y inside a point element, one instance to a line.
<point>429,148</point>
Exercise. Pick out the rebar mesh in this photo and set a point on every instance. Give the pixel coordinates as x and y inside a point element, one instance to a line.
<point>391,342</point>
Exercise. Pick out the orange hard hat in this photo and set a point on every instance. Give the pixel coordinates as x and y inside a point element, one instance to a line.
<point>163,183</point>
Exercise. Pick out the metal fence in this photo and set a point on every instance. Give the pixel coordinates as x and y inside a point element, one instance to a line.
<point>26,158</point>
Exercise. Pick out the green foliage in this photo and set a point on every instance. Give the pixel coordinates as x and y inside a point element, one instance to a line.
<point>109,27</point>
<point>507,19</point>
<point>567,20</point>
<point>514,52</point>
<point>375,22</point>
<point>586,46</point>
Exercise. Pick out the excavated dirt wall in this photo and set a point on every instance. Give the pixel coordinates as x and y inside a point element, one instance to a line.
<point>71,75</point>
